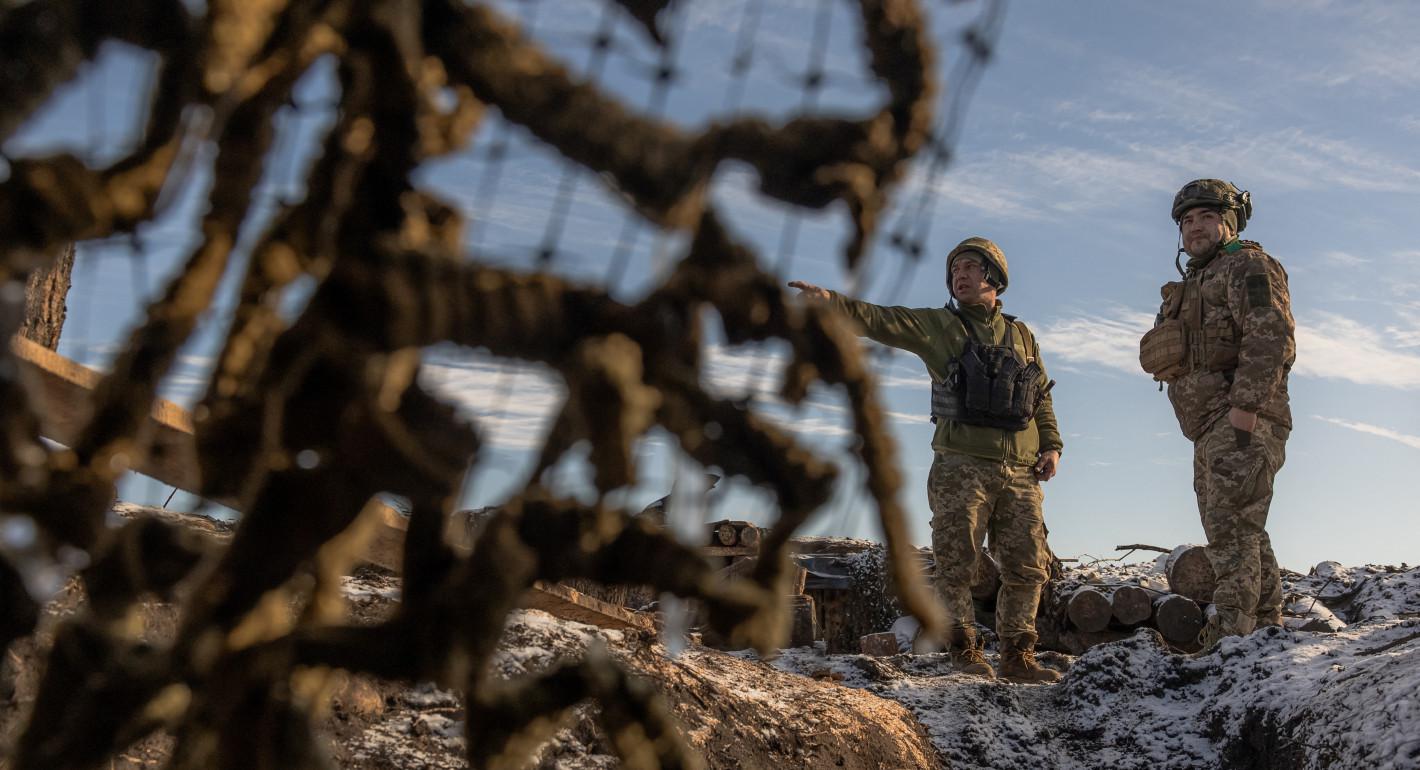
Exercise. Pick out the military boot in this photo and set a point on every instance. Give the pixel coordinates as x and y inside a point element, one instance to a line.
<point>1208,638</point>
<point>967,655</point>
<point>1018,661</point>
<point>1270,618</point>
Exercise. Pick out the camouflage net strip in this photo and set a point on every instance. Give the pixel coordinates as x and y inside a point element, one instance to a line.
<point>302,425</point>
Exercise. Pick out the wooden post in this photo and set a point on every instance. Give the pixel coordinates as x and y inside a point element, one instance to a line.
<point>62,392</point>
<point>45,294</point>
<point>803,621</point>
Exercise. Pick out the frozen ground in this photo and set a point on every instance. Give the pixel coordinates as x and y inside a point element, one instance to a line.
<point>1276,699</point>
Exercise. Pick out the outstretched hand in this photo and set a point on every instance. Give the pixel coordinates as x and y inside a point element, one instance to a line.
<point>809,291</point>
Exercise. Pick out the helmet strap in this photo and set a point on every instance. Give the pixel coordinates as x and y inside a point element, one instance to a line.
<point>1178,256</point>
<point>992,280</point>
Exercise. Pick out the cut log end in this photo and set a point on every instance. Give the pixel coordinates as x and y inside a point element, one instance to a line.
<point>1131,605</point>
<point>1089,610</point>
<point>1191,574</point>
<point>1178,618</point>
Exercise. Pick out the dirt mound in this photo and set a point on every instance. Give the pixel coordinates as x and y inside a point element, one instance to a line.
<point>736,712</point>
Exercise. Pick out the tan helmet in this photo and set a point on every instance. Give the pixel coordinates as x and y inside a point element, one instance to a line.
<point>1214,193</point>
<point>995,261</point>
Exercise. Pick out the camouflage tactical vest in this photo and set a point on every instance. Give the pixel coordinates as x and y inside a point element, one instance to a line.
<point>1181,341</point>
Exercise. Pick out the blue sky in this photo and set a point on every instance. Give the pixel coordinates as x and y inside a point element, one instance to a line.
<point>1084,124</point>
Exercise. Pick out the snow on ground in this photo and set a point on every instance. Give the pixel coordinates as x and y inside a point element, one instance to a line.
<point>1276,699</point>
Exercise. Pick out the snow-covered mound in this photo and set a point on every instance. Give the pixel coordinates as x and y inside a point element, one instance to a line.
<point>1276,699</point>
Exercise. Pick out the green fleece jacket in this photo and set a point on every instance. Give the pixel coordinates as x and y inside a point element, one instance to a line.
<point>937,336</point>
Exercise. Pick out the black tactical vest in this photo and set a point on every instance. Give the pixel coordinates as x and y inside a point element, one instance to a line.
<point>989,385</point>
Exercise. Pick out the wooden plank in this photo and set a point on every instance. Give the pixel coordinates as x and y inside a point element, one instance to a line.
<point>571,604</point>
<point>63,390</point>
<point>718,550</point>
<point>386,550</point>
<point>63,394</point>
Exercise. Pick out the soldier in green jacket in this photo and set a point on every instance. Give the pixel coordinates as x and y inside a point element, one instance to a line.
<point>1224,341</point>
<point>996,440</point>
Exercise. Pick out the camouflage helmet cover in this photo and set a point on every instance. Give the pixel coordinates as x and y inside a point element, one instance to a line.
<point>1214,193</point>
<point>989,252</point>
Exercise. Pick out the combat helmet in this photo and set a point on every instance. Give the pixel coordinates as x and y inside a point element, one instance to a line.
<point>1214,193</point>
<point>995,260</point>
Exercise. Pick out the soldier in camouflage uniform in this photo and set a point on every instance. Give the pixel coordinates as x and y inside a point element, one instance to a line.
<point>1224,343</point>
<point>984,479</point>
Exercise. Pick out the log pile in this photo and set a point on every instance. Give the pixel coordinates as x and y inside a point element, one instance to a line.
<point>1078,609</point>
<point>1086,608</point>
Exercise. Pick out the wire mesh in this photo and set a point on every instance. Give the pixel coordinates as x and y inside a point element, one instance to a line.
<point>321,412</point>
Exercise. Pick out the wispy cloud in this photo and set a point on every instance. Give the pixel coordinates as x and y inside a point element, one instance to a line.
<point>1055,182</point>
<point>1374,430</point>
<point>1406,334</point>
<point>515,404</point>
<point>756,373</point>
<point>1329,346</point>
<point>1110,339</point>
<point>1333,346</point>
<point>1345,259</point>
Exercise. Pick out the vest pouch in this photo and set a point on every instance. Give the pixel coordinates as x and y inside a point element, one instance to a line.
<point>1220,342</point>
<point>1003,387</point>
<point>1172,293</point>
<point>1163,351</point>
<point>989,385</point>
<point>1029,394</point>
<point>976,374</point>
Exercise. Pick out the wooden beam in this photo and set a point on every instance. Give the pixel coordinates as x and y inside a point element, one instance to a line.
<point>63,393</point>
<point>386,550</point>
<point>572,604</point>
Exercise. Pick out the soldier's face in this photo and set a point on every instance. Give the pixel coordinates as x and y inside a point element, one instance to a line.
<point>968,282</point>
<point>1202,229</point>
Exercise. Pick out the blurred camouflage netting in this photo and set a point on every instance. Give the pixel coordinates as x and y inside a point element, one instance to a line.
<point>303,423</point>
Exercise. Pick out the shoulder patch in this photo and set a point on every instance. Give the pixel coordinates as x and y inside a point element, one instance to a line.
<point>1259,291</point>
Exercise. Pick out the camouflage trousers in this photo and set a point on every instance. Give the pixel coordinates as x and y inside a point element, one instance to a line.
<point>971,498</point>
<point>1234,488</point>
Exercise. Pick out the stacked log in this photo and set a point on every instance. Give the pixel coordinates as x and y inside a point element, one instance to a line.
<point>1089,609</point>
<point>1190,573</point>
<point>1085,607</point>
<point>730,534</point>
<point>1178,618</point>
<point>1078,615</point>
<point>1130,605</point>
